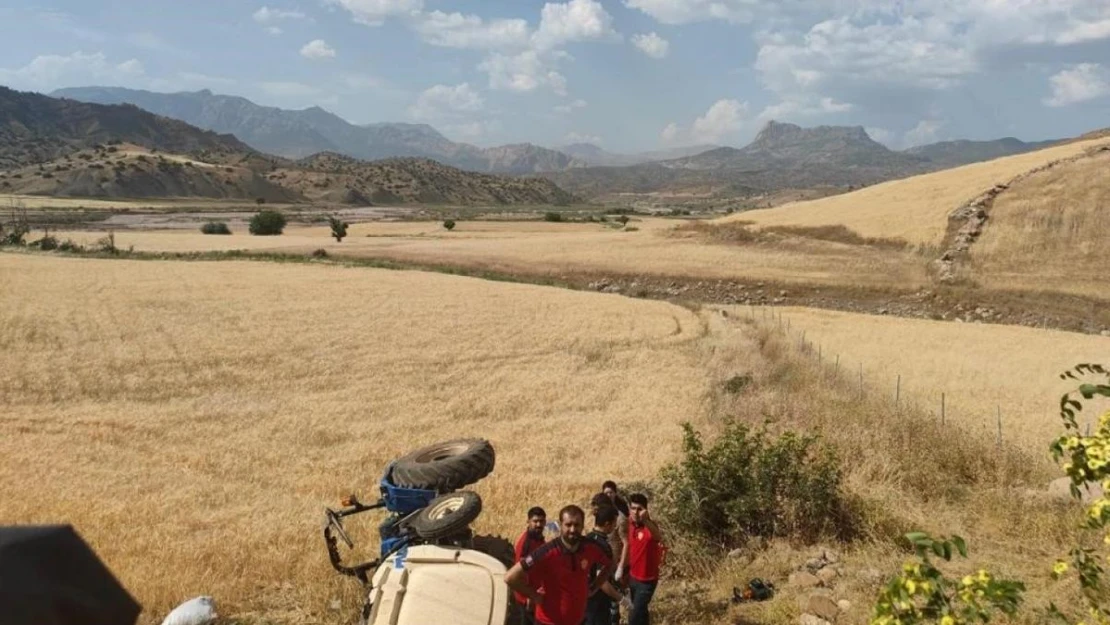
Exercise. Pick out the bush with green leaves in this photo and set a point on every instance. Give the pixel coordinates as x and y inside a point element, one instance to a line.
<point>749,483</point>
<point>267,223</point>
<point>1085,460</point>
<point>215,227</point>
<point>552,216</point>
<point>923,594</point>
<point>449,224</point>
<point>338,228</point>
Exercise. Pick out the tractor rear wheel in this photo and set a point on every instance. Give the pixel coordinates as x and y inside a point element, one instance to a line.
<point>445,466</point>
<point>447,515</point>
<point>495,546</point>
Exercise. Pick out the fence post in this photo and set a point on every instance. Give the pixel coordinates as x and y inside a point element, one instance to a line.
<point>999,408</point>
<point>898,390</point>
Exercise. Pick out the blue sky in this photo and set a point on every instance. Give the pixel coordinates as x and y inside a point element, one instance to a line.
<point>627,74</point>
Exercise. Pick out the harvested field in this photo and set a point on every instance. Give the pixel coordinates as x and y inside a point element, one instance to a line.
<point>538,248</point>
<point>192,419</point>
<point>1051,229</point>
<point>980,368</point>
<point>914,209</point>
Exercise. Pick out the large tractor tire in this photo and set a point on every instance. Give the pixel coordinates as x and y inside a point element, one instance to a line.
<point>445,466</point>
<point>497,547</point>
<point>447,515</point>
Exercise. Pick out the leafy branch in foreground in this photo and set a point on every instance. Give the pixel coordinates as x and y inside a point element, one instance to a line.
<point>923,594</point>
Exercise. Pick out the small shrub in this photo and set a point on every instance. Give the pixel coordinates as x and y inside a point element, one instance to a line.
<point>338,228</point>
<point>267,223</point>
<point>552,216</point>
<point>107,244</point>
<point>749,484</point>
<point>449,224</point>
<point>623,219</point>
<point>69,245</point>
<point>259,200</point>
<point>737,383</point>
<point>319,253</point>
<point>215,227</point>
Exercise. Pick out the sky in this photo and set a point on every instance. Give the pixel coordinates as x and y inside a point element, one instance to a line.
<point>628,75</point>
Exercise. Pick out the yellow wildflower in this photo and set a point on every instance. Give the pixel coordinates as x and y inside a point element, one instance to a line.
<point>1060,567</point>
<point>947,620</point>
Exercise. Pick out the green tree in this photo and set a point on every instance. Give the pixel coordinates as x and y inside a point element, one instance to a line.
<point>449,224</point>
<point>338,228</point>
<point>267,223</point>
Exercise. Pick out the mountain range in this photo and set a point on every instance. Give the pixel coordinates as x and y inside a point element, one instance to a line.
<point>62,147</point>
<point>297,134</point>
<point>784,156</point>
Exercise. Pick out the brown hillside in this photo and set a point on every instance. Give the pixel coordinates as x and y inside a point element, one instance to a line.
<point>35,128</point>
<point>127,170</point>
<point>331,177</point>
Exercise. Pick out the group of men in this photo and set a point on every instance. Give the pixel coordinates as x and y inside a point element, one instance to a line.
<point>575,579</point>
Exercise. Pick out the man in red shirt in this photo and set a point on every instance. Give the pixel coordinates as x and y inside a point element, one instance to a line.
<point>643,554</point>
<point>556,577</point>
<point>529,541</point>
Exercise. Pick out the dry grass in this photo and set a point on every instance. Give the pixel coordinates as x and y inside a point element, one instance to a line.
<point>199,415</point>
<point>1050,229</point>
<point>192,419</point>
<point>914,209</point>
<point>556,249</point>
<point>979,367</point>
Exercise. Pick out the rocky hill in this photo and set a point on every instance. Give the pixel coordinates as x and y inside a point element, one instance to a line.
<point>125,170</point>
<point>782,156</point>
<point>296,134</point>
<point>332,177</point>
<point>36,128</point>
<point>59,147</point>
<point>955,153</point>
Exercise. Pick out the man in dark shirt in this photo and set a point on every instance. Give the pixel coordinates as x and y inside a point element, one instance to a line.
<point>601,606</point>
<point>643,554</point>
<point>555,577</point>
<point>529,541</point>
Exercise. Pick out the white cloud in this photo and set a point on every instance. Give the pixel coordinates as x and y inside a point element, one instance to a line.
<point>926,131</point>
<point>577,20</point>
<point>266,15</point>
<point>51,71</point>
<point>670,133</point>
<point>443,101</point>
<point>687,11</point>
<point>1080,83</point>
<point>652,45</point>
<point>375,12</point>
<point>317,49</point>
<point>455,30</point>
<point>274,30</point>
<point>724,117</point>
<point>523,72</point>
<point>570,107</point>
<point>882,135</point>
<point>576,137</point>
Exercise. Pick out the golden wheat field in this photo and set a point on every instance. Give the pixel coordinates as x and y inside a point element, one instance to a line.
<point>1052,228</point>
<point>193,419</point>
<point>982,369</point>
<point>913,209</point>
<point>555,249</point>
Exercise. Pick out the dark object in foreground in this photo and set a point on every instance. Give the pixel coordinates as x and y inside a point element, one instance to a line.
<point>757,590</point>
<point>50,576</point>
